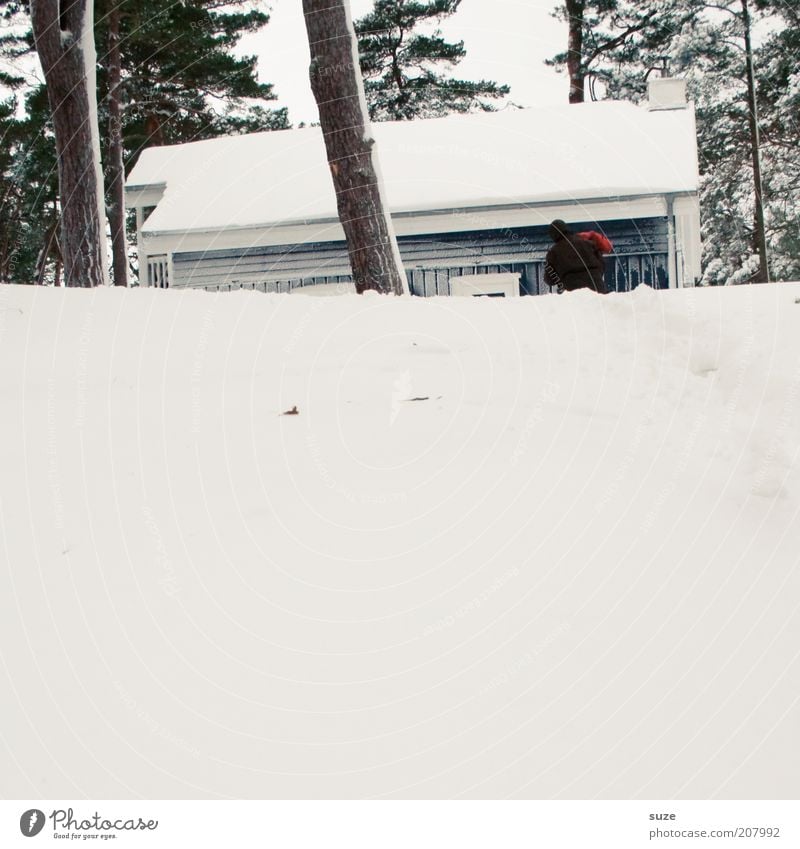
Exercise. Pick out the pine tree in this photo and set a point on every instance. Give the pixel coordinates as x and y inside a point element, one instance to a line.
<point>29,245</point>
<point>339,92</point>
<point>10,191</point>
<point>179,77</point>
<point>115,158</point>
<point>778,80</point>
<point>616,32</point>
<point>710,55</point>
<point>64,37</point>
<point>16,41</point>
<point>404,69</point>
<point>704,43</point>
<point>178,81</point>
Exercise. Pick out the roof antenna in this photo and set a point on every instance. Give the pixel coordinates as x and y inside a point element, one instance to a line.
<point>663,67</point>
<point>592,77</point>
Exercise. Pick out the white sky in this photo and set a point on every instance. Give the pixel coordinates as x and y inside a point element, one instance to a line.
<point>506,41</point>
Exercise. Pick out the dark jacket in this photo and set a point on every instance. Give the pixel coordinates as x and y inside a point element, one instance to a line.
<point>573,263</point>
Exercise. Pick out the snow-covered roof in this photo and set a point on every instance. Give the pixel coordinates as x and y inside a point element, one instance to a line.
<point>580,152</point>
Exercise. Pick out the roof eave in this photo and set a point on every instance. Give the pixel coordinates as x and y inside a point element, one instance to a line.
<point>433,211</point>
<point>144,194</point>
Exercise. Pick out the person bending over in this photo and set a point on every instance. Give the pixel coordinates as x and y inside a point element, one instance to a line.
<point>572,262</point>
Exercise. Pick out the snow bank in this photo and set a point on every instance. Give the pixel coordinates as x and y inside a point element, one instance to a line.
<point>541,548</point>
<point>583,152</point>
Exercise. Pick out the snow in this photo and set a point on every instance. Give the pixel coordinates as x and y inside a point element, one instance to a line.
<point>578,152</point>
<point>569,569</point>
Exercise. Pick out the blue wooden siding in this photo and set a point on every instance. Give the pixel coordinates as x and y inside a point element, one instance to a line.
<point>640,256</point>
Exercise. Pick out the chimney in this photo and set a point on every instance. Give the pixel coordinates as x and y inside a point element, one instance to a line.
<point>666,93</point>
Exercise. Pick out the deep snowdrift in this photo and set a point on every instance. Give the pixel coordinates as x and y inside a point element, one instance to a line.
<point>568,569</point>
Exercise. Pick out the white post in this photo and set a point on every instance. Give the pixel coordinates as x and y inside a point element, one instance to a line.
<point>672,260</point>
<point>140,246</point>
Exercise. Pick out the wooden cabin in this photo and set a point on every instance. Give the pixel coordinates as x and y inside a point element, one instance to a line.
<point>469,195</point>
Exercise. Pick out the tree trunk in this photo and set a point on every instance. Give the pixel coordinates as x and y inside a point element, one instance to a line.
<point>759,230</point>
<point>154,131</point>
<point>49,247</point>
<point>339,91</point>
<point>575,67</point>
<point>64,38</point>
<point>116,165</point>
